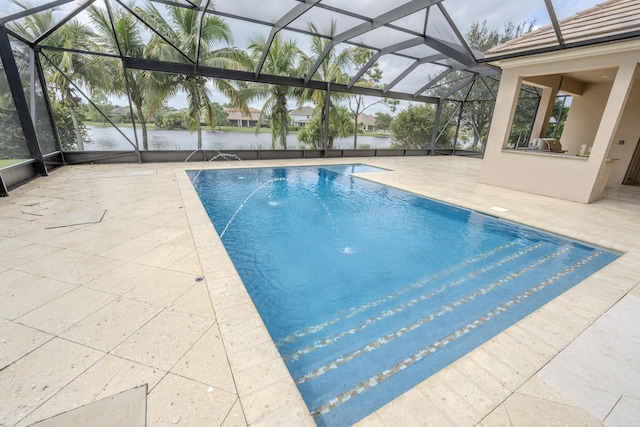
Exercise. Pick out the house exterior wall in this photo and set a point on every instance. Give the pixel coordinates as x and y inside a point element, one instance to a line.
<point>629,132</point>
<point>564,176</point>
<point>584,117</point>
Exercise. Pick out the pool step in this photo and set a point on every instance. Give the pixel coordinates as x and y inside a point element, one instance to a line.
<point>417,330</point>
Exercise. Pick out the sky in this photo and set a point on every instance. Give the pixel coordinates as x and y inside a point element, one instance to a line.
<point>462,12</point>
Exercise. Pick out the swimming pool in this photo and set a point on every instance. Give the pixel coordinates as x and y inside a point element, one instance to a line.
<point>368,290</point>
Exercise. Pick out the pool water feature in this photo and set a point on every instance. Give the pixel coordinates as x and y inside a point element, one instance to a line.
<point>368,290</point>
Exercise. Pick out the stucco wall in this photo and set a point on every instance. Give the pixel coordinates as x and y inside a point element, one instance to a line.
<point>584,117</point>
<point>629,131</point>
<point>595,119</point>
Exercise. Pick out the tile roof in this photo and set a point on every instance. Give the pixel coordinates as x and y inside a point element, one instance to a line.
<point>610,18</point>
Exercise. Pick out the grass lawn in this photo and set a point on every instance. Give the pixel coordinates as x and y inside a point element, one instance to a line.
<point>9,162</point>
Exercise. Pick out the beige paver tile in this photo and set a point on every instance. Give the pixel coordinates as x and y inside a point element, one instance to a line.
<point>164,340</point>
<point>163,288</point>
<point>112,324</point>
<point>178,400</point>
<point>496,418</point>
<point>269,402</point>
<point>246,340</point>
<point>496,368</point>
<point>165,233</point>
<point>373,420</point>
<point>254,356</point>
<point>536,345</point>
<point>98,244</point>
<point>128,408</point>
<point>454,407</point>
<point>108,376</point>
<point>130,249</point>
<point>260,376</point>
<point>174,217</point>
<point>238,318</point>
<point>189,264</point>
<point>409,409</point>
<point>71,266</point>
<point>30,381</point>
<point>33,251</point>
<point>22,292</point>
<point>530,411</point>
<point>518,357</point>
<point>70,308</point>
<point>286,418</point>
<point>228,297</point>
<point>472,394</point>
<point>481,378</point>
<point>235,417</point>
<point>207,362</point>
<point>41,234</point>
<point>538,388</point>
<point>17,340</point>
<point>196,301</point>
<point>124,278</point>
<point>163,256</point>
<point>185,239</point>
<point>125,228</point>
<point>73,238</point>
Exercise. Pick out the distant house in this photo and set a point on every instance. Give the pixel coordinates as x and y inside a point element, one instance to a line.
<point>366,122</point>
<point>300,116</point>
<point>120,111</point>
<point>237,118</point>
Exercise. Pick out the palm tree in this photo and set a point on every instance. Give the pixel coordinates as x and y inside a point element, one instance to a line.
<point>281,60</point>
<point>64,65</point>
<point>127,37</point>
<point>340,126</point>
<point>182,28</point>
<point>332,69</point>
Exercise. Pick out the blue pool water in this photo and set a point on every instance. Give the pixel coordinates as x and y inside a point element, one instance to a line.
<point>368,290</point>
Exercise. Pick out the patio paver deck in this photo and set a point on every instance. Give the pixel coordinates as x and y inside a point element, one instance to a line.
<point>149,296</point>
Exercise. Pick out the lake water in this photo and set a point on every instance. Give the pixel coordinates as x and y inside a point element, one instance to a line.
<point>108,138</point>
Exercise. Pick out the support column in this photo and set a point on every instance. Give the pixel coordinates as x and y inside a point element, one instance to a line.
<point>545,110</point>
<point>611,117</point>
<point>20,102</point>
<point>436,124</point>
<point>327,103</point>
